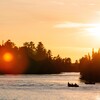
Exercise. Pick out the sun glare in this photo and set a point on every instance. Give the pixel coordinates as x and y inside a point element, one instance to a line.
<point>7,57</point>
<point>94,32</point>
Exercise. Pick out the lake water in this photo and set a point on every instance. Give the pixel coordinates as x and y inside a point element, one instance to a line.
<point>46,87</point>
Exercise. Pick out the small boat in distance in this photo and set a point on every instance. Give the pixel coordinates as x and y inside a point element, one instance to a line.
<point>89,82</point>
<point>72,85</point>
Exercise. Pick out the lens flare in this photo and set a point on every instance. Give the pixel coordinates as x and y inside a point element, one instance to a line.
<point>13,64</point>
<point>8,57</point>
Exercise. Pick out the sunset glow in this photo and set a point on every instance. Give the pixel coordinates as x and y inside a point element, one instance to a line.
<point>95,31</point>
<point>7,57</point>
<point>64,23</point>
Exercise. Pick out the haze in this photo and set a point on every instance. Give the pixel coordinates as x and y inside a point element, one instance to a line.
<point>64,26</point>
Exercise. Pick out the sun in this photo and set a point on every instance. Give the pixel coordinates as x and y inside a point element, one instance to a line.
<point>94,32</point>
<point>8,57</point>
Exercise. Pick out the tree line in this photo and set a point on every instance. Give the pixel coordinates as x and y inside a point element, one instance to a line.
<point>31,59</point>
<point>90,67</point>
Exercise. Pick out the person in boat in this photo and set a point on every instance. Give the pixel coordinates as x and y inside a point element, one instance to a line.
<point>76,85</point>
<point>72,85</point>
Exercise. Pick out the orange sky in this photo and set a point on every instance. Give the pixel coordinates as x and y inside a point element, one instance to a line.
<point>65,26</point>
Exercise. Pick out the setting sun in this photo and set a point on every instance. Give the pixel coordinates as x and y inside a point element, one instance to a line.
<point>7,57</point>
<point>94,31</point>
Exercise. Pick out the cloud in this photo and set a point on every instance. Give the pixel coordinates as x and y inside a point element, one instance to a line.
<point>67,25</point>
<point>92,4</point>
<point>74,25</point>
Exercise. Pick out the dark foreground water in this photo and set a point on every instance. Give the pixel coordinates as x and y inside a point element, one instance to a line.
<point>46,87</point>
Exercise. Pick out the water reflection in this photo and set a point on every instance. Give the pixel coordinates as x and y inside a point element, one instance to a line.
<point>97,97</point>
<point>42,87</point>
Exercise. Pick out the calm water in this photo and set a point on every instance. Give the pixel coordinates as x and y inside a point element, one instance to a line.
<point>46,87</point>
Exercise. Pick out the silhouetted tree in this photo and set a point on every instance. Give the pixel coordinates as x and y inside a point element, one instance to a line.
<point>90,67</point>
<point>9,44</point>
<point>29,59</point>
<point>41,52</point>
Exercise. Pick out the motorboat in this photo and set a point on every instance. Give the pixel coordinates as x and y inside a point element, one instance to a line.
<point>89,82</point>
<point>72,85</point>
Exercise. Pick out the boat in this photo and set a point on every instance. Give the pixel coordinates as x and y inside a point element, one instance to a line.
<point>89,82</point>
<point>72,85</point>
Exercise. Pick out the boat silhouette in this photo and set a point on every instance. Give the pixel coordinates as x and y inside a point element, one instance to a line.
<point>89,82</point>
<point>72,85</point>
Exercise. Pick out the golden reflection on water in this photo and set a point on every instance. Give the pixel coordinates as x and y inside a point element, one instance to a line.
<point>97,97</point>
